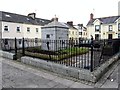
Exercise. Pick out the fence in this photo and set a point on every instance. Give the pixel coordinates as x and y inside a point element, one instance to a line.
<point>87,54</point>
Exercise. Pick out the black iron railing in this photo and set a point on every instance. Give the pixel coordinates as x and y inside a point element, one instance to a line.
<point>87,54</point>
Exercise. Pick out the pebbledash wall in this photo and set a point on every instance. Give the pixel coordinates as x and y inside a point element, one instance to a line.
<point>78,73</point>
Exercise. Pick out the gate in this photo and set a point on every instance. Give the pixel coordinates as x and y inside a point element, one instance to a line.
<point>19,48</point>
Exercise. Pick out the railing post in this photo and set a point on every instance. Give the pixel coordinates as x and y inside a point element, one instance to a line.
<point>23,47</point>
<point>91,69</point>
<point>15,49</point>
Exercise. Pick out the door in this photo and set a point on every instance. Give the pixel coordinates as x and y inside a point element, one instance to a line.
<point>97,36</point>
<point>110,36</point>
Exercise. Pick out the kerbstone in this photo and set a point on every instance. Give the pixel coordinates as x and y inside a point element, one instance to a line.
<point>8,55</point>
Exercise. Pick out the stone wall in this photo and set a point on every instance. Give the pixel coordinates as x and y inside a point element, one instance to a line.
<point>7,55</point>
<point>78,73</point>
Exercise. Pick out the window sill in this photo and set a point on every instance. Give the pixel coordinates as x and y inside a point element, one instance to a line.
<point>18,32</point>
<point>6,31</point>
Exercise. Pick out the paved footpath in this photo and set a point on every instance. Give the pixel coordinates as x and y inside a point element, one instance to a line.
<point>18,75</point>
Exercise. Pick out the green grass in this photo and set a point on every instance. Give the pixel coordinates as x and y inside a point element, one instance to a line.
<point>61,54</point>
<point>74,50</point>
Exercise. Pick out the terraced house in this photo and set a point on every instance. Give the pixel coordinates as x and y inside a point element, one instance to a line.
<point>104,28</point>
<point>73,31</point>
<point>14,25</point>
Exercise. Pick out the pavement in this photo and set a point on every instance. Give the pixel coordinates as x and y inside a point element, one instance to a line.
<point>18,75</point>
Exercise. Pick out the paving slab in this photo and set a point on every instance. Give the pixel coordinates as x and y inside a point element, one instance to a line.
<point>80,85</point>
<point>18,75</point>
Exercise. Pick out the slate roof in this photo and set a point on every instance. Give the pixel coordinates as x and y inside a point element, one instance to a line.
<point>17,18</point>
<point>71,27</point>
<point>54,24</point>
<point>105,20</point>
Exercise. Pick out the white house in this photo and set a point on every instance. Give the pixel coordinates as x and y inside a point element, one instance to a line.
<point>104,27</point>
<point>14,25</point>
<point>73,32</point>
<point>20,26</point>
<point>53,33</point>
<point>82,31</point>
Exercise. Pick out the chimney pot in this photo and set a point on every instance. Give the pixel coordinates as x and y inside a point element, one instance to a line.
<point>91,16</point>
<point>54,19</point>
<point>32,15</point>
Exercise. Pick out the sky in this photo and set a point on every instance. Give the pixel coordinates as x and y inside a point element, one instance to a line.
<point>77,11</point>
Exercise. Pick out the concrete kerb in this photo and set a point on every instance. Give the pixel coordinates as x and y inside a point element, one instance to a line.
<point>81,74</point>
<point>8,55</point>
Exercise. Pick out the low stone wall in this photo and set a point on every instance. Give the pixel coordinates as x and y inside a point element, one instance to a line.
<point>81,74</point>
<point>105,67</point>
<point>7,55</point>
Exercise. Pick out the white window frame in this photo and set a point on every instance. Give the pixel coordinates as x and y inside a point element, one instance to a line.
<point>97,28</point>
<point>37,30</point>
<point>110,27</point>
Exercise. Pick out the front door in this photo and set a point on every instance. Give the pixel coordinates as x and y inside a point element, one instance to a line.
<point>110,36</point>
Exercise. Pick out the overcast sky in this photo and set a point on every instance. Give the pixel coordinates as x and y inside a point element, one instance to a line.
<point>66,10</point>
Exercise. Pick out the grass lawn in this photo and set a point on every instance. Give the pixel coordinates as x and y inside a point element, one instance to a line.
<point>59,55</point>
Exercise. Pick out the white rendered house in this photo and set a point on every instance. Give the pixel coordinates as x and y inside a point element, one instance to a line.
<point>20,26</point>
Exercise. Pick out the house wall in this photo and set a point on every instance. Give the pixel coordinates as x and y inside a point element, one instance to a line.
<point>0,25</point>
<point>73,33</point>
<point>32,34</point>
<point>12,30</point>
<point>104,30</point>
<point>0,29</point>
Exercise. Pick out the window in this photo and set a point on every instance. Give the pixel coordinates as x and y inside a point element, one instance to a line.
<point>6,42</point>
<point>118,35</point>
<point>73,32</point>
<point>118,26</point>
<point>76,33</point>
<point>28,29</point>
<point>37,30</point>
<point>47,36</point>
<point>97,27</point>
<point>5,28</point>
<point>36,40</point>
<point>18,29</point>
<point>97,36</point>
<point>110,27</point>
<point>80,33</point>
<point>84,33</point>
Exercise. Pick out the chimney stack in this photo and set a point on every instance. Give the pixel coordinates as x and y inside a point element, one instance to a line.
<point>54,19</point>
<point>70,23</point>
<point>80,25</point>
<point>91,16</point>
<point>32,15</point>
